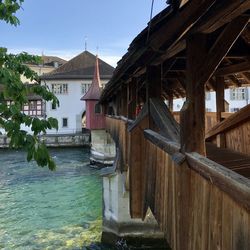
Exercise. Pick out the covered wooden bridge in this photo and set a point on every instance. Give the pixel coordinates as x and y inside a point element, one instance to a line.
<point>192,168</point>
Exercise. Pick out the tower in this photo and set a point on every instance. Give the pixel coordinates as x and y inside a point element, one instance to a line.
<point>102,146</point>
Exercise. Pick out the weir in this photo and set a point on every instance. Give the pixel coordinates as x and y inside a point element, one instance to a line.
<point>190,169</point>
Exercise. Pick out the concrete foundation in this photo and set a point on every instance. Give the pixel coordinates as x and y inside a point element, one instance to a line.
<point>103,149</point>
<point>57,140</point>
<point>117,223</point>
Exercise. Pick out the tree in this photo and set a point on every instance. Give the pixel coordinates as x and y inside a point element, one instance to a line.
<point>12,67</point>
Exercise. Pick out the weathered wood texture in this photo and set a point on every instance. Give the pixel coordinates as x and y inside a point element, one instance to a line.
<point>118,130</point>
<point>198,204</point>
<point>192,118</point>
<point>236,129</point>
<point>137,163</point>
<point>210,118</point>
<point>192,211</point>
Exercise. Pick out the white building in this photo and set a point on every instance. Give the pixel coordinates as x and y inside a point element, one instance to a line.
<point>69,83</point>
<point>237,98</point>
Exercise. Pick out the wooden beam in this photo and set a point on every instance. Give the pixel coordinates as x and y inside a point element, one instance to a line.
<point>164,119</point>
<point>192,115</point>
<point>141,116</point>
<point>225,12</point>
<point>167,65</point>
<point>220,96</point>
<point>137,170</point>
<point>246,77</point>
<point>153,89</point>
<point>234,80</point>
<point>153,82</point>
<point>220,107</point>
<point>232,69</point>
<point>179,25</point>
<point>232,121</point>
<point>132,98</point>
<point>162,142</point>
<point>220,48</point>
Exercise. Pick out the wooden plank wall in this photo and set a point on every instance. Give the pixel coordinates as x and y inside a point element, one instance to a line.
<point>210,118</point>
<point>192,212</point>
<point>238,138</point>
<point>118,130</point>
<point>190,209</point>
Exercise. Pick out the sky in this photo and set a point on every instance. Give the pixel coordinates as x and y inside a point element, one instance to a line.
<point>61,27</point>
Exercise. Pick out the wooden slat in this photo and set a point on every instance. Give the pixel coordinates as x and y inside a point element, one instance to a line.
<point>231,122</point>
<point>227,222</point>
<point>215,225</point>
<point>237,186</point>
<point>137,171</point>
<point>220,107</point>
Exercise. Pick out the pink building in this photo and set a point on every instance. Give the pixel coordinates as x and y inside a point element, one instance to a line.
<point>103,149</point>
<point>94,115</point>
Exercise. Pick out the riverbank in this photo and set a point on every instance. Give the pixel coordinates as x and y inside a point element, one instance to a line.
<point>57,140</point>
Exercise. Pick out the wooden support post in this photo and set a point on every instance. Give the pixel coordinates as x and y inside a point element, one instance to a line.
<point>153,88</point>
<point>220,96</point>
<point>170,103</point>
<point>131,96</point>
<point>220,107</point>
<point>124,110</point>
<point>193,112</point>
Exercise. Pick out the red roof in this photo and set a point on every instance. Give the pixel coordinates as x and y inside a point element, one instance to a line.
<point>94,92</point>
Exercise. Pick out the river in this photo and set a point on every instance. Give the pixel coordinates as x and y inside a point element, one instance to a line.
<point>40,209</point>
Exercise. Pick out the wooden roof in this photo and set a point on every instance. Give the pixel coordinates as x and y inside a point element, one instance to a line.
<point>81,67</point>
<point>50,60</point>
<point>163,43</point>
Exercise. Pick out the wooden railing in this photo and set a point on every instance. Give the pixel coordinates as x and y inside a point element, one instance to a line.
<point>210,118</point>
<point>198,204</point>
<point>117,127</point>
<point>236,129</point>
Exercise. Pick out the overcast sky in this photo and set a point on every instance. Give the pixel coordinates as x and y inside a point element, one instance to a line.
<point>59,27</point>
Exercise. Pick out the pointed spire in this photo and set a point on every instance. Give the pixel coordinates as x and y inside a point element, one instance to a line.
<point>94,91</point>
<point>96,77</point>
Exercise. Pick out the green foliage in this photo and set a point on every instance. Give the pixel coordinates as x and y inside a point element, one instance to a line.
<point>12,67</point>
<point>7,10</point>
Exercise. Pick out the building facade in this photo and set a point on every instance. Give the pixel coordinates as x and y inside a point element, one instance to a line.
<point>236,99</point>
<point>69,83</point>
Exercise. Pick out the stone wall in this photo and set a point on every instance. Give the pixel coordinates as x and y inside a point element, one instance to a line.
<point>64,140</point>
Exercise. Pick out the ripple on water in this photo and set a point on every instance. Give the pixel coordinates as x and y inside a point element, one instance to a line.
<point>40,209</point>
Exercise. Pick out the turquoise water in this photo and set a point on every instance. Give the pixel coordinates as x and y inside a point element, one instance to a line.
<point>40,209</point>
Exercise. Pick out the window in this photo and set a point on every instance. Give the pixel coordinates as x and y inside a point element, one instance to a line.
<point>64,122</point>
<point>238,94</point>
<point>85,87</point>
<point>208,110</point>
<point>59,88</point>
<point>97,108</point>
<point>33,108</point>
<point>32,105</point>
